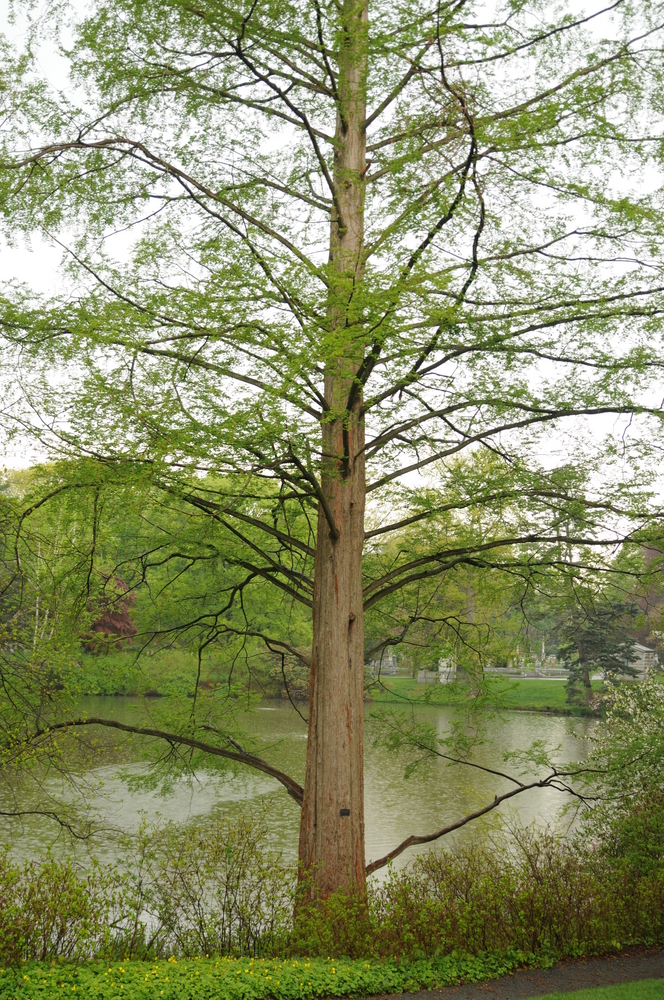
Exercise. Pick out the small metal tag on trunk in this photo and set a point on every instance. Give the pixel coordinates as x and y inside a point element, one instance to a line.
<point>344,812</point>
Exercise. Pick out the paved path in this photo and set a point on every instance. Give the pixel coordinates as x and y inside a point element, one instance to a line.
<point>564,977</point>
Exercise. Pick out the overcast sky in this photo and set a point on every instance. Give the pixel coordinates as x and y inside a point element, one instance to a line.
<point>35,260</point>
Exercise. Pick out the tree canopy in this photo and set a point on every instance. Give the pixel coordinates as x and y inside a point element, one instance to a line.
<point>313,252</point>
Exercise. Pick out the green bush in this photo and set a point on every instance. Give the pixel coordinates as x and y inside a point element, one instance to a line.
<point>166,674</point>
<point>541,896</point>
<point>636,833</point>
<point>211,888</point>
<point>208,888</point>
<point>55,909</point>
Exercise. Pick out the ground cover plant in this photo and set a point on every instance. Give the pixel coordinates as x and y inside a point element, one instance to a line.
<point>285,979</point>
<point>246,979</point>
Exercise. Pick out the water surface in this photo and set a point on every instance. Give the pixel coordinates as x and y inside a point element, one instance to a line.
<point>394,807</point>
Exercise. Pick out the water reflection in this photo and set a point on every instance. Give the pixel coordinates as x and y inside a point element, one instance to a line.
<point>394,807</point>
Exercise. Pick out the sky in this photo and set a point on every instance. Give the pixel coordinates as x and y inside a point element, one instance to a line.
<point>36,260</point>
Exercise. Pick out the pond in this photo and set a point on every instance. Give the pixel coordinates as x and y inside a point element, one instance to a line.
<point>394,807</point>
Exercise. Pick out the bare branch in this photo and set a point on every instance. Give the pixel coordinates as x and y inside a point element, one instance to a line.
<point>48,814</point>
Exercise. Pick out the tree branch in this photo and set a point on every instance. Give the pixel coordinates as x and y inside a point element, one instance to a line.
<point>470,555</point>
<point>499,428</point>
<point>241,757</point>
<point>48,814</point>
<point>549,782</point>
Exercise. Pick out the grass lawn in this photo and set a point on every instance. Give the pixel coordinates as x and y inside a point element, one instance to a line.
<point>535,693</point>
<point>647,989</point>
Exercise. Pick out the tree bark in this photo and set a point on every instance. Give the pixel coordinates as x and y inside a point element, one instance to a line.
<point>332,825</point>
<point>585,674</point>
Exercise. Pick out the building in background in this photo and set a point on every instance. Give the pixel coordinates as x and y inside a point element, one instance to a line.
<point>646,659</point>
<point>387,666</point>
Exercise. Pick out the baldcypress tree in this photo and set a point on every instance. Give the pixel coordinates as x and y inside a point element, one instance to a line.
<point>359,238</point>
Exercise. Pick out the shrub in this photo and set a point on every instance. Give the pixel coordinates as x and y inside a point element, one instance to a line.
<point>55,909</point>
<point>634,832</point>
<point>208,888</point>
<point>211,888</point>
<point>542,896</point>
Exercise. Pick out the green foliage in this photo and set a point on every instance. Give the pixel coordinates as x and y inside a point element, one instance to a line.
<point>624,782</point>
<point>242,979</point>
<point>596,633</point>
<point>172,673</point>
<point>53,908</point>
<point>646,989</point>
<point>212,889</point>
<point>636,833</point>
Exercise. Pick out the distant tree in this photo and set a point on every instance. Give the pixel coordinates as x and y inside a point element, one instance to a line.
<point>597,635</point>
<point>114,624</point>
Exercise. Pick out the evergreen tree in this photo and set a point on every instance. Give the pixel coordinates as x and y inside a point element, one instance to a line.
<point>597,636</point>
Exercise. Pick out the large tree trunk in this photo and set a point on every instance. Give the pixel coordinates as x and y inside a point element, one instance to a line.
<point>332,826</point>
